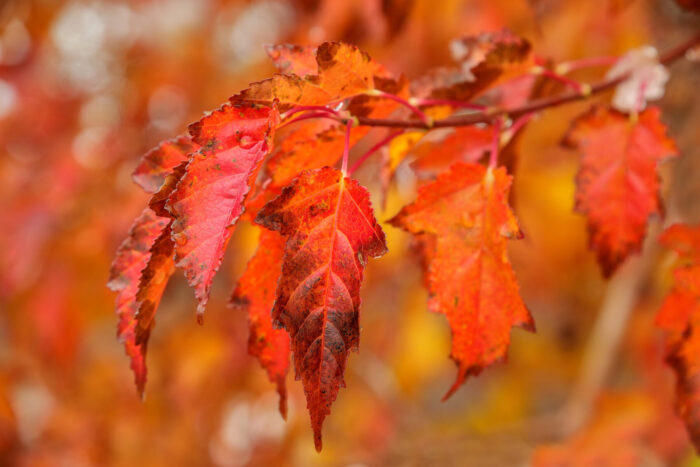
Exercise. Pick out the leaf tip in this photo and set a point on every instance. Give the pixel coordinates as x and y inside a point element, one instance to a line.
<point>318,442</point>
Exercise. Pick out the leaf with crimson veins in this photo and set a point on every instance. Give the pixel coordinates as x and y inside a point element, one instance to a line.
<point>680,318</point>
<point>132,257</point>
<point>208,200</point>
<point>157,163</point>
<point>330,229</point>
<point>470,279</point>
<point>618,184</point>
<point>255,295</point>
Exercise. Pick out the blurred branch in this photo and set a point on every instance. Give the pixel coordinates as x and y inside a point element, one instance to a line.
<point>492,114</point>
<point>601,351</point>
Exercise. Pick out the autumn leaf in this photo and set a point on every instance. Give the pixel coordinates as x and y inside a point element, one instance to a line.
<point>618,184</point>
<point>161,160</point>
<point>295,59</point>
<point>154,278</point>
<point>470,279</point>
<point>466,144</point>
<point>680,318</point>
<point>209,198</point>
<point>343,71</point>
<point>485,61</point>
<point>255,295</point>
<point>132,257</point>
<point>330,229</point>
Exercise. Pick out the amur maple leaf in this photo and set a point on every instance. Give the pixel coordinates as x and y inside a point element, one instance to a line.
<point>470,279</point>
<point>330,229</point>
<point>255,294</point>
<point>209,198</point>
<point>618,184</point>
<point>132,257</point>
<point>680,317</point>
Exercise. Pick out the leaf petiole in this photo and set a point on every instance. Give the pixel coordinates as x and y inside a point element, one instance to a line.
<point>361,160</point>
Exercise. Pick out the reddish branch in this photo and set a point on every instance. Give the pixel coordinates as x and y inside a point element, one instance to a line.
<point>495,113</point>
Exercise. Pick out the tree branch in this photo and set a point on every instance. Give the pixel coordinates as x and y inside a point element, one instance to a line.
<point>492,114</point>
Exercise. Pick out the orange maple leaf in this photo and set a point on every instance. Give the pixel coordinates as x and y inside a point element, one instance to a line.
<point>343,71</point>
<point>486,60</point>
<point>680,317</point>
<point>255,295</point>
<point>618,185</point>
<point>469,277</point>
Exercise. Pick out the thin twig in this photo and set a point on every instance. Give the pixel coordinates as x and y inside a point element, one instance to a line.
<point>309,115</point>
<point>346,149</point>
<point>495,143</point>
<point>587,62</point>
<point>418,112</point>
<point>420,102</point>
<point>533,106</point>
<point>315,108</point>
<point>581,88</point>
<point>372,150</point>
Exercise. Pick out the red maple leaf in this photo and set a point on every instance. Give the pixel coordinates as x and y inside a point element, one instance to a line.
<point>331,231</point>
<point>208,200</point>
<point>618,185</point>
<point>469,277</point>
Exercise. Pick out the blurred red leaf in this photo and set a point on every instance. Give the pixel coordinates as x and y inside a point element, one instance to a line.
<point>680,317</point>
<point>466,144</point>
<point>618,185</point>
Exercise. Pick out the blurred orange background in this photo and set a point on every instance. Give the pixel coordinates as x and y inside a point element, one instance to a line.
<point>87,86</point>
